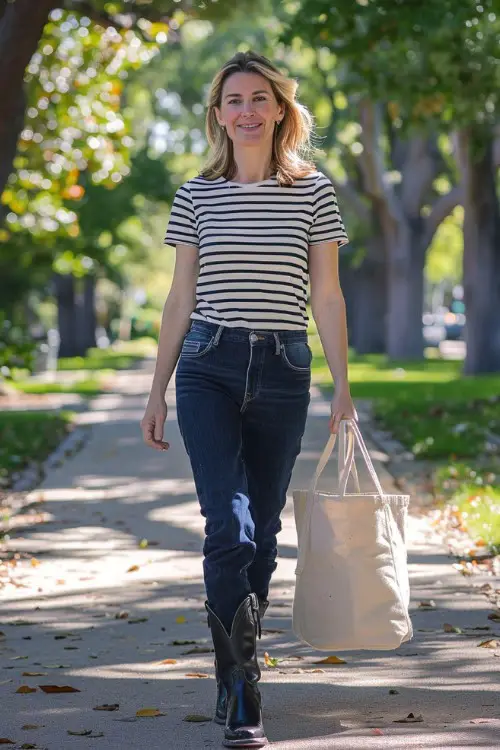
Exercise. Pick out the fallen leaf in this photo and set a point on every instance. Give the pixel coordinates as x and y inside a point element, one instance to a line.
<point>26,689</point>
<point>377,731</point>
<point>393,692</point>
<point>34,674</point>
<point>84,733</point>
<point>330,660</point>
<point>135,620</point>
<point>133,568</point>
<point>32,726</point>
<point>270,661</point>
<point>479,721</point>
<point>56,666</point>
<point>495,616</point>
<point>180,620</point>
<point>196,717</point>
<point>451,628</point>
<point>150,712</point>
<point>198,650</point>
<point>168,661</point>
<point>17,658</point>
<point>5,741</point>
<point>107,707</point>
<point>28,746</point>
<point>492,643</point>
<point>121,616</point>
<point>143,544</point>
<point>316,671</point>
<point>427,604</point>
<point>34,562</point>
<point>410,719</point>
<point>196,674</point>
<point>58,689</point>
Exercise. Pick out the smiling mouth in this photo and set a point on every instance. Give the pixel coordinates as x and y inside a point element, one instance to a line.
<point>255,126</point>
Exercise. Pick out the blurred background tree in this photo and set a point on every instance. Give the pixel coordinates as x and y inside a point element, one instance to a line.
<point>103,118</point>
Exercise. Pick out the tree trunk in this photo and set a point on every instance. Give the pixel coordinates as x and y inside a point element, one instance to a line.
<point>371,296</point>
<point>66,314</point>
<point>347,276</point>
<point>481,253</point>
<point>21,26</point>
<point>406,291</point>
<point>88,314</point>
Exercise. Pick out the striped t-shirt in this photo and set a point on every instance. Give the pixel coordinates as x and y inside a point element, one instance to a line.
<point>253,246</point>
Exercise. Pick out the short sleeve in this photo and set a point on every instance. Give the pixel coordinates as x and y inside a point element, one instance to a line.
<point>181,227</point>
<point>327,225</point>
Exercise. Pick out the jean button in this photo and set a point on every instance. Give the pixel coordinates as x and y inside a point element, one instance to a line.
<point>253,338</point>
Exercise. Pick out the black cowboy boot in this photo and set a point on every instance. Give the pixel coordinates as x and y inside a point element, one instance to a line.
<point>221,701</point>
<point>263,605</point>
<point>238,670</point>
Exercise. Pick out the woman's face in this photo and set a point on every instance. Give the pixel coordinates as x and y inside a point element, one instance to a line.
<point>248,99</point>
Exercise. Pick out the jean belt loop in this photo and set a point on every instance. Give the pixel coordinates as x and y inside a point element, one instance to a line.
<point>218,335</point>
<point>278,345</point>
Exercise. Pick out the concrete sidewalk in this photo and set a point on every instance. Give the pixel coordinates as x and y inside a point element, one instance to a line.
<point>96,612</point>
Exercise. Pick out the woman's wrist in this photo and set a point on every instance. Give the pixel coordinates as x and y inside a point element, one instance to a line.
<point>341,384</point>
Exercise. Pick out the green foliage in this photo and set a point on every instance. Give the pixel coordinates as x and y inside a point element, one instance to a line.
<point>434,61</point>
<point>87,387</point>
<point>28,438</point>
<point>474,495</point>
<point>428,406</point>
<point>445,255</point>
<point>17,348</point>
<point>75,124</point>
<point>99,359</point>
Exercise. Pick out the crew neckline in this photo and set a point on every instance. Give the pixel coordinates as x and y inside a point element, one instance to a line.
<point>249,184</point>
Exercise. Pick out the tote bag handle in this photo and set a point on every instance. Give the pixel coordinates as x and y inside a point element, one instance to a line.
<point>353,436</point>
<point>344,457</point>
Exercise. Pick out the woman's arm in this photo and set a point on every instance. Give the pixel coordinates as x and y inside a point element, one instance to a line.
<point>179,305</point>
<point>328,309</point>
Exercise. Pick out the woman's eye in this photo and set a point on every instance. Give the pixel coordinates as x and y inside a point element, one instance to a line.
<point>236,101</point>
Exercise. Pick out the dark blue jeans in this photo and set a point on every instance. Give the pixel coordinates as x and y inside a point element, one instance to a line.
<point>242,400</point>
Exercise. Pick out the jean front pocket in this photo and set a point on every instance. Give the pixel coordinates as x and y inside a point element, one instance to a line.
<point>297,355</point>
<point>196,344</point>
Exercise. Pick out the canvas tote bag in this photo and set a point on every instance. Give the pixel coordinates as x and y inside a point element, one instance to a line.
<point>352,590</point>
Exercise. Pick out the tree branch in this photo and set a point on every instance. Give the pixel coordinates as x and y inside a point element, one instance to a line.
<point>442,208</point>
<point>371,161</point>
<point>348,193</point>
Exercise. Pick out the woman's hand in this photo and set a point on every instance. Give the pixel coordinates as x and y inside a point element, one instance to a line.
<point>342,408</point>
<point>153,422</point>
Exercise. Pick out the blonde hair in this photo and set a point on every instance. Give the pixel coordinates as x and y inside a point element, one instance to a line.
<point>292,139</point>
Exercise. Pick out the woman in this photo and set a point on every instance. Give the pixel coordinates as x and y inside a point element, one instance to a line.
<point>249,232</point>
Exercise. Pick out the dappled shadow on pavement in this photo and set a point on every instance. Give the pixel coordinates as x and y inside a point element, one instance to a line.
<point>98,610</point>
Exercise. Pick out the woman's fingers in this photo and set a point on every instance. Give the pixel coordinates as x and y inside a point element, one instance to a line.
<point>159,423</point>
<point>152,430</point>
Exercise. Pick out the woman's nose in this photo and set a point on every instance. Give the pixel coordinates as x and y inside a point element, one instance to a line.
<point>247,108</point>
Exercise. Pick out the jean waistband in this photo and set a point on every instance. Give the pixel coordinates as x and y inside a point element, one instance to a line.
<point>245,335</point>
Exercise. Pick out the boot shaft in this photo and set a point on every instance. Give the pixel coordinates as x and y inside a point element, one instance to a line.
<point>237,650</point>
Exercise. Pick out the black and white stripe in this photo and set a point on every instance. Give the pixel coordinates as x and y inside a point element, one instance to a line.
<point>253,246</point>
